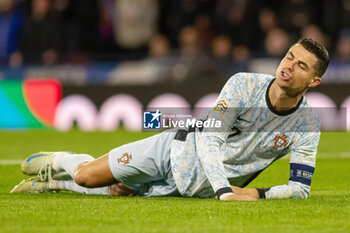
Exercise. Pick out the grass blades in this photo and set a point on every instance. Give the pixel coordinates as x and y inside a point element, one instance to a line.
<point>326,210</point>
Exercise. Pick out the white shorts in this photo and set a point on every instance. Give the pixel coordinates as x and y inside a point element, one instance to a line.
<point>145,165</point>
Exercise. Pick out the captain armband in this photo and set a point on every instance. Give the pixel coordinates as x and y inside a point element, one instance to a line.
<point>301,173</point>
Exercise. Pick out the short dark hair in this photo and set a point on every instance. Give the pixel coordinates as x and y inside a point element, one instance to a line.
<point>320,52</point>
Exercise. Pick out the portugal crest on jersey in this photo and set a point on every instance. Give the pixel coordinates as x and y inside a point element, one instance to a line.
<point>280,141</point>
<point>125,158</point>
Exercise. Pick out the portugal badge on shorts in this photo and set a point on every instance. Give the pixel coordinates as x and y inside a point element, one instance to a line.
<point>152,120</point>
<point>125,158</point>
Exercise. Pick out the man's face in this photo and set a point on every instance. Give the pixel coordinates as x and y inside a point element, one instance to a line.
<point>296,71</point>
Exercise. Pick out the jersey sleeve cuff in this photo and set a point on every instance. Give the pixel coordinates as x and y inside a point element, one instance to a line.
<point>262,192</point>
<point>222,191</point>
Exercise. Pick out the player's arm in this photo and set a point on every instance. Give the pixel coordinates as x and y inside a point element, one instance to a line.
<point>209,141</point>
<point>238,197</point>
<point>302,166</point>
<point>241,194</point>
<point>251,192</point>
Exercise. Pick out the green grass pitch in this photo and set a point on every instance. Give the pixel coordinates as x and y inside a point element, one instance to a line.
<point>326,210</point>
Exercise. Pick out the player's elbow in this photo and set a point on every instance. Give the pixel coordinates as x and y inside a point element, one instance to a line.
<point>302,195</point>
<point>301,192</point>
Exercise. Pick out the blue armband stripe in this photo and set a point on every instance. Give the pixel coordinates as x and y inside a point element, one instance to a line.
<point>301,173</point>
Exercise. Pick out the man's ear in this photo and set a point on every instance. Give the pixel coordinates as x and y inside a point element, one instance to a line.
<point>315,82</point>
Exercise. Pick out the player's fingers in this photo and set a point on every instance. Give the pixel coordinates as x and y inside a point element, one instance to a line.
<point>125,189</point>
<point>121,190</point>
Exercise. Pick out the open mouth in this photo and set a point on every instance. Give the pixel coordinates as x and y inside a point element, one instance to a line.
<point>285,76</point>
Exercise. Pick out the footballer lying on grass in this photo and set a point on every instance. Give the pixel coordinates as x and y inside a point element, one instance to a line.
<point>263,118</point>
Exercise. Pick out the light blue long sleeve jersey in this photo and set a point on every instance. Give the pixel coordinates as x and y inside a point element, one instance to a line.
<point>251,137</point>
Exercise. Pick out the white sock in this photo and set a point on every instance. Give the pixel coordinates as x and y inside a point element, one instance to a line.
<point>56,185</point>
<point>68,162</point>
<point>70,185</point>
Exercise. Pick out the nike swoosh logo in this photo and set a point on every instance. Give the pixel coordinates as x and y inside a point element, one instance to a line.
<point>241,119</point>
<point>33,157</point>
<point>34,183</point>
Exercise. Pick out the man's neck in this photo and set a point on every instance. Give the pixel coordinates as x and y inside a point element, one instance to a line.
<point>281,100</point>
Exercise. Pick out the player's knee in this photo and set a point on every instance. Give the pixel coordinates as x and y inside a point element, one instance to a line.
<point>83,177</point>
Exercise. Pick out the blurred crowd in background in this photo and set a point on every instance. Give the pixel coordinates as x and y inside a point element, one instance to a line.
<point>154,40</point>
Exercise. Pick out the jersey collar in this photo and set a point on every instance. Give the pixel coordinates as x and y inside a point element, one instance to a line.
<point>280,113</point>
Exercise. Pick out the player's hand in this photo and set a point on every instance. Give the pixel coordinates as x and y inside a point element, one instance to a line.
<point>238,197</point>
<point>120,189</point>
